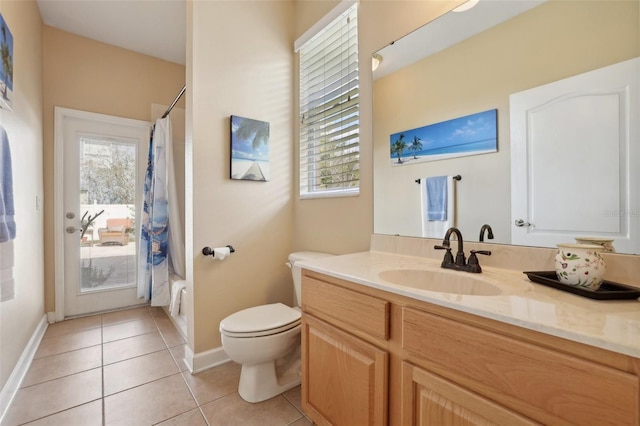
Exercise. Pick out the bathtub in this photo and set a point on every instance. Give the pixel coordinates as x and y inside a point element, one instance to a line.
<point>180,320</point>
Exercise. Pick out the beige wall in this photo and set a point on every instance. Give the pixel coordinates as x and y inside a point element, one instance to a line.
<point>478,75</point>
<point>83,74</point>
<point>19,317</point>
<point>252,74</point>
<point>239,62</point>
<point>344,225</point>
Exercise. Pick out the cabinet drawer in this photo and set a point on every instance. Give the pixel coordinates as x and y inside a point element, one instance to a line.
<point>567,388</point>
<point>345,307</point>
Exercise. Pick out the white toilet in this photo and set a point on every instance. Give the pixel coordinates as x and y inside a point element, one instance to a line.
<point>266,341</point>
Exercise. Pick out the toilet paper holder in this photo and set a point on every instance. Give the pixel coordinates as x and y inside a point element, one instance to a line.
<point>208,251</point>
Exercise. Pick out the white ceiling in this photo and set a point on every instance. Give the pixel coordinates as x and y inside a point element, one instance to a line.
<point>158,27</point>
<point>153,27</point>
<point>448,30</point>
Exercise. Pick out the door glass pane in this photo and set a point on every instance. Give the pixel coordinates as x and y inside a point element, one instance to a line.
<point>107,213</point>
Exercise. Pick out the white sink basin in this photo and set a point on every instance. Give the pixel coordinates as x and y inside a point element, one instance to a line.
<point>454,282</point>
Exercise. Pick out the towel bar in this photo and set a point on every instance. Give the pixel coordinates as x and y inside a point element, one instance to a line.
<point>456,177</point>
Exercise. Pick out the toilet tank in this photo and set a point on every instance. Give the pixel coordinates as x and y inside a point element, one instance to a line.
<point>297,272</point>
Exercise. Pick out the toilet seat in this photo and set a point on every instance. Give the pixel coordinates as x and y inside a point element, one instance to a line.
<point>261,320</point>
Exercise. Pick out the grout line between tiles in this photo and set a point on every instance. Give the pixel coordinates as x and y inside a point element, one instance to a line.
<point>138,356</point>
<point>66,352</point>
<point>203,416</point>
<point>294,421</point>
<point>190,391</point>
<point>302,413</point>
<point>58,412</point>
<point>129,337</point>
<point>71,332</point>
<point>140,385</point>
<point>61,377</point>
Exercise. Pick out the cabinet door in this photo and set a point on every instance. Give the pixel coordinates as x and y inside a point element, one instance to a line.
<point>344,378</point>
<point>428,399</point>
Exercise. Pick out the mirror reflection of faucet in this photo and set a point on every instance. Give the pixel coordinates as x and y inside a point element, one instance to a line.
<point>460,263</point>
<point>486,227</point>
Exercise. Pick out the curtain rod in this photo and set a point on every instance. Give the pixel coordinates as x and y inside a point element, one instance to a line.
<point>175,101</point>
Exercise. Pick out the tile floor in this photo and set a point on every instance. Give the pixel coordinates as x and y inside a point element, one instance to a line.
<point>125,368</point>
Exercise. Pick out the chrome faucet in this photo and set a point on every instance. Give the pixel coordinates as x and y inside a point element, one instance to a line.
<point>487,228</point>
<point>460,263</point>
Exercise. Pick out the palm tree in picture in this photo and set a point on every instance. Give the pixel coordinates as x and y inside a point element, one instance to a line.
<point>257,132</point>
<point>415,146</point>
<point>398,147</point>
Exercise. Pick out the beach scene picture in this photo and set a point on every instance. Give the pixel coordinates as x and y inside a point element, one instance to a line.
<point>469,135</point>
<point>6,71</point>
<point>249,149</point>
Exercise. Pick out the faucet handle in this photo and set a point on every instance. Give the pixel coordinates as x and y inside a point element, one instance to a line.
<point>473,264</point>
<point>448,257</point>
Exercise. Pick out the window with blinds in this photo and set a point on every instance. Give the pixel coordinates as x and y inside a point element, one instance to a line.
<point>329,110</point>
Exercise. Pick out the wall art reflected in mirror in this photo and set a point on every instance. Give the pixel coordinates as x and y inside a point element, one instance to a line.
<point>476,61</point>
<point>472,134</point>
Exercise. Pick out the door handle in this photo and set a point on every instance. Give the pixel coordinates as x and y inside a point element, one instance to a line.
<point>520,223</point>
<point>72,229</point>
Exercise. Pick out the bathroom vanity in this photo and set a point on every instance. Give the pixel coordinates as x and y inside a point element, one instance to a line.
<point>378,352</point>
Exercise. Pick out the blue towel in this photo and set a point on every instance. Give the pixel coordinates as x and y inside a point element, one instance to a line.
<point>7,209</point>
<point>436,198</point>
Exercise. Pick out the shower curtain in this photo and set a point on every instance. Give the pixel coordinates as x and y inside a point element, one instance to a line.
<point>160,236</point>
<point>7,221</point>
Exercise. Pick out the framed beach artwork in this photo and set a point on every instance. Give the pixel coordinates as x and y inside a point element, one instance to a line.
<point>6,70</point>
<point>249,149</point>
<point>469,135</point>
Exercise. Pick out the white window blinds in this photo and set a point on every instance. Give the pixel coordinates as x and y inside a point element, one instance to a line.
<point>329,110</point>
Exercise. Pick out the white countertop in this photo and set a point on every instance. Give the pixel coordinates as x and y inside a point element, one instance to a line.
<point>612,325</point>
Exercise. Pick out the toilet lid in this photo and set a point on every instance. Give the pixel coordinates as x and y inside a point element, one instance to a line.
<point>259,319</point>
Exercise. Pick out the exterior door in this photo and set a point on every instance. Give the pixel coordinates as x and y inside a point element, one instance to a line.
<point>100,164</point>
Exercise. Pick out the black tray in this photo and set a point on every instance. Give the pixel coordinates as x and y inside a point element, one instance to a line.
<point>608,290</point>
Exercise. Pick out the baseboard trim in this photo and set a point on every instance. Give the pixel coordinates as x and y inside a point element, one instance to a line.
<point>10,389</point>
<point>204,360</point>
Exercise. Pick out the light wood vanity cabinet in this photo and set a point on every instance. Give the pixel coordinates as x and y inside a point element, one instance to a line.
<point>372,358</point>
<point>345,374</point>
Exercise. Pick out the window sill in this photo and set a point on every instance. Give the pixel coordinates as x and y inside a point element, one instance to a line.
<point>331,194</point>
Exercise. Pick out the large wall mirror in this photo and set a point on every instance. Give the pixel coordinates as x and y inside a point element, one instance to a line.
<point>467,62</point>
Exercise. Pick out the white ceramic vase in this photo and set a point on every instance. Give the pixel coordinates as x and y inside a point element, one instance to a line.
<point>580,265</point>
<point>607,243</point>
